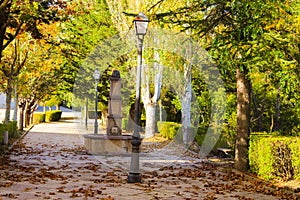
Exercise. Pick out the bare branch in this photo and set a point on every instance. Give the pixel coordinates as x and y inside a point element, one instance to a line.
<point>156,4</point>
<point>21,65</point>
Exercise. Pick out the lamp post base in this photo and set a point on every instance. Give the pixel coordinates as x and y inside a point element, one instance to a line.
<point>134,178</point>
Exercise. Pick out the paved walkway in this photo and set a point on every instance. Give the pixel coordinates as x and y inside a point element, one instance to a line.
<point>52,163</point>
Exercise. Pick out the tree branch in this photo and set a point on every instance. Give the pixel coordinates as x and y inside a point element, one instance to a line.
<point>157,3</point>
<point>14,36</point>
<point>21,65</point>
<point>4,4</point>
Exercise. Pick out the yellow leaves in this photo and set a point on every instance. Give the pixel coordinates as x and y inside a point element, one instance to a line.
<point>277,24</point>
<point>35,5</point>
<point>49,29</point>
<point>270,26</point>
<point>280,23</point>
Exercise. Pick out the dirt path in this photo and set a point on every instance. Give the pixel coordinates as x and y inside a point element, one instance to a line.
<point>52,163</point>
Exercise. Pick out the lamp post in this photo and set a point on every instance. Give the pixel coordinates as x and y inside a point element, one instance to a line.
<point>96,77</point>
<point>140,25</point>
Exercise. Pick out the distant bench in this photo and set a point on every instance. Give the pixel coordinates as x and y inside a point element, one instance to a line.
<point>224,153</point>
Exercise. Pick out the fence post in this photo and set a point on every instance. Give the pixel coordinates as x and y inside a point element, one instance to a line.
<point>5,140</point>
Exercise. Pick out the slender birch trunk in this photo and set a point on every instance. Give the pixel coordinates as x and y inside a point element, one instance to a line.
<point>150,102</point>
<point>186,97</point>
<point>186,104</point>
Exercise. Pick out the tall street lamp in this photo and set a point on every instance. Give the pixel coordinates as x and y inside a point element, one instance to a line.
<point>140,25</point>
<point>96,77</point>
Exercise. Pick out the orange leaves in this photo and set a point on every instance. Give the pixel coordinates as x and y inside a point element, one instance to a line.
<point>49,30</point>
<point>277,25</point>
<point>6,184</point>
<point>85,192</point>
<point>10,195</point>
<point>53,171</point>
<point>27,189</point>
<point>270,26</point>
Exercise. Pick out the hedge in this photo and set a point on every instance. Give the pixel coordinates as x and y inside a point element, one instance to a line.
<point>12,129</point>
<point>91,114</point>
<point>53,115</point>
<point>275,157</point>
<point>168,129</point>
<point>124,123</point>
<point>38,117</point>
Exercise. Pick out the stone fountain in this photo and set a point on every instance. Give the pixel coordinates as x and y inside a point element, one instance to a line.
<point>113,142</point>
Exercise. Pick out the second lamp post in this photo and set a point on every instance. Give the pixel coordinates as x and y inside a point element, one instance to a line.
<point>97,78</point>
<point>140,25</point>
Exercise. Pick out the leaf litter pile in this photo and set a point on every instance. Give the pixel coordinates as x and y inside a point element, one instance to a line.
<point>53,171</point>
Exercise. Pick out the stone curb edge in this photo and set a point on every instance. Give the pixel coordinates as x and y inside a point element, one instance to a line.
<point>19,139</point>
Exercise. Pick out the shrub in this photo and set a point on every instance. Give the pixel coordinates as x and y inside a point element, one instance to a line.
<point>282,164</point>
<point>275,157</point>
<point>53,115</point>
<point>12,129</point>
<point>38,117</point>
<point>201,133</point>
<point>214,137</point>
<point>91,114</point>
<point>124,123</point>
<point>168,129</point>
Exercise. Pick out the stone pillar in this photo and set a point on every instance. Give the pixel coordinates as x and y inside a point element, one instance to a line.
<point>114,118</point>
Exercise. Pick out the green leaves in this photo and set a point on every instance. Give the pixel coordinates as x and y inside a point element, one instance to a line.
<point>261,36</point>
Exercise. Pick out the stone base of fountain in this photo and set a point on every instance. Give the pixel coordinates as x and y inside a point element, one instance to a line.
<point>108,144</point>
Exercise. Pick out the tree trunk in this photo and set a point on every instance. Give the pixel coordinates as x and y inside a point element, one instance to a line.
<point>277,115</point>
<point>130,123</point>
<point>243,116</point>
<point>186,117</point>
<point>15,118</point>
<point>86,114</point>
<point>149,101</point>
<point>21,115</point>
<point>257,114</point>
<point>33,106</point>
<point>29,110</point>
<point>185,100</point>
<point>8,100</point>
<point>186,96</point>
<point>21,119</point>
<point>27,114</point>
<point>104,114</point>
<point>160,112</point>
<point>151,120</point>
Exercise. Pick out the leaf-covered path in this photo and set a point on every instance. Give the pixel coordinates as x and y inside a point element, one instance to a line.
<point>52,163</point>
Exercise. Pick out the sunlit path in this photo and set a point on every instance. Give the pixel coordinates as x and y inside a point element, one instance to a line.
<point>52,163</point>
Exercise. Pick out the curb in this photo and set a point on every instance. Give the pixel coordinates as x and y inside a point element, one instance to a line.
<point>20,138</point>
<point>17,141</point>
